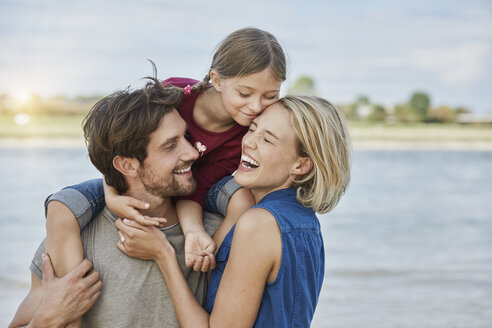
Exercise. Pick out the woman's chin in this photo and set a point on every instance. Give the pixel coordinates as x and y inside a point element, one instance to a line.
<point>244,178</point>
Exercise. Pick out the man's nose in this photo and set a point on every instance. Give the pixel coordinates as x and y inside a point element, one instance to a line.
<point>190,153</point>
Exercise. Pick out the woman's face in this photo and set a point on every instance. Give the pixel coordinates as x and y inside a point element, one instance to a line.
<point>269,153</point>
<point>247,96</point>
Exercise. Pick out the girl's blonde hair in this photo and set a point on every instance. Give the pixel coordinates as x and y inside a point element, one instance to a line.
<point>322,136</point>
<point>244,52</point>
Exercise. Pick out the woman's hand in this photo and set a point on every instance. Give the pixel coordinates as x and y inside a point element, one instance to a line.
<point>143,242</point>
<point>128,207</point>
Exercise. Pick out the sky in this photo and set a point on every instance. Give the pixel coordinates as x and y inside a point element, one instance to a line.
<point>382,49</point>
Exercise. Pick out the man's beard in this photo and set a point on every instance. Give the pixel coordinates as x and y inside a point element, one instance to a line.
<point>166,187</point>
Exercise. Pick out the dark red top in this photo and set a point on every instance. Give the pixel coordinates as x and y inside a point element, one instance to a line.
<point>220,152</point>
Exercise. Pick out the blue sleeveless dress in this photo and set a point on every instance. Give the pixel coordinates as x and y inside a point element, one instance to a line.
<point>291,299</point>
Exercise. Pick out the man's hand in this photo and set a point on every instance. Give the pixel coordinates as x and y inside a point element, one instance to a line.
<point>66,299</point>
<point>199,251</point>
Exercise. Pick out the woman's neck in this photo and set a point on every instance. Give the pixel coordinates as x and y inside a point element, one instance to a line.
<point>209,112</point>
<point>260,193</point>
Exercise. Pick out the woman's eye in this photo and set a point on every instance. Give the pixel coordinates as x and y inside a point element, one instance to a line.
<point>268,141</point>
<point>243,95</point>
<point>271,98</point>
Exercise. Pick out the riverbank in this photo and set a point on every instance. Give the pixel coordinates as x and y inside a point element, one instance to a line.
<point>66,131</point>
<point>357,144</point>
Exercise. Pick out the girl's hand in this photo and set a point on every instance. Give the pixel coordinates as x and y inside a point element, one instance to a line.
<point>143,242</point>
<point>127,207</point>
<point>199,251</point>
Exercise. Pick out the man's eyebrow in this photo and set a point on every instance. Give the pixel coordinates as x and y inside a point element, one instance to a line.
<point>167,142</point>
<point>172,139</point>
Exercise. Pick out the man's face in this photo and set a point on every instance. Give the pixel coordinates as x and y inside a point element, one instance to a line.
<point>166,172</point>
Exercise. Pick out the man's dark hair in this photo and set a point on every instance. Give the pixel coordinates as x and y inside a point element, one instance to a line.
<point>121,123</point>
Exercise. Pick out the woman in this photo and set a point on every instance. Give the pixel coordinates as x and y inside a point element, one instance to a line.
<point>270,261</point>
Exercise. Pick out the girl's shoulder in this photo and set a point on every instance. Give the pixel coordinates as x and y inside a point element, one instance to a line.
<point>179,81</point>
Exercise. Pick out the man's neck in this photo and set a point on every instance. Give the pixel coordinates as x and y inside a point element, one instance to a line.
<point>159,207</point>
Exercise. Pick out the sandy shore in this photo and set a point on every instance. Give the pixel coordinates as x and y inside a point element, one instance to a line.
<point>357,144</point>
<point>423,145</point>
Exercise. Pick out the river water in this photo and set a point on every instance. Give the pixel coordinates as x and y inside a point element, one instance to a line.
<point>409,245</point>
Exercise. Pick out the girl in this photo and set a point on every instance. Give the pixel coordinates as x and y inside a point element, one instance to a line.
<point>270,264</point>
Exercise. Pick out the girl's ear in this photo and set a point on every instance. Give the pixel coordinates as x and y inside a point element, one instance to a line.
<point>302,166</point>
<point>128,166</point>
<point>216,80</point>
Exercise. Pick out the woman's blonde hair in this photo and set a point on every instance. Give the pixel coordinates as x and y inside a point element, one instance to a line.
<point>322,136</point>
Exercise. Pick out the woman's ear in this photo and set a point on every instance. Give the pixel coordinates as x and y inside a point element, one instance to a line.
<point>302,166</point>
<point>128,166</point>
<point>216,80</point>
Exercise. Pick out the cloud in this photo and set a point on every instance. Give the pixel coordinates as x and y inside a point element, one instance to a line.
<point>452,65</point>
<point>461,64</point>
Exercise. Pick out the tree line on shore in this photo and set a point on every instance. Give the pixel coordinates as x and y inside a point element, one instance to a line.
<point>418,108</point>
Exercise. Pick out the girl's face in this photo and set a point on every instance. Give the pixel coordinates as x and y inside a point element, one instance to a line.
<point>269,158</point>
<point>247,96</point>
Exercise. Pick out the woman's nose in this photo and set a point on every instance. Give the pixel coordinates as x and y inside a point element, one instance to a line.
<point>249,140</point>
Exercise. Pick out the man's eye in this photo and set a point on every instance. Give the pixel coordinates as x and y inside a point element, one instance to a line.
<point>171,146</point>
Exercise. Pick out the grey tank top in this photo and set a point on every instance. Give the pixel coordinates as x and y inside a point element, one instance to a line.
<point>134,291</point>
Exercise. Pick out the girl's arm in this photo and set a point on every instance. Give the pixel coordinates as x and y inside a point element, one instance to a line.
<point>253,261</point>
<point>63,242</point>
<point>66,212</point>
<point>128,207</point>
<point>199,246</point>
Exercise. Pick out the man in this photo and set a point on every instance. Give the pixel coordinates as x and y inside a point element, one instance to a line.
<point>137,140</point>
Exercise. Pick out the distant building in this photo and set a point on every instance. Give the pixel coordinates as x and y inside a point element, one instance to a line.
<point>474,118</point>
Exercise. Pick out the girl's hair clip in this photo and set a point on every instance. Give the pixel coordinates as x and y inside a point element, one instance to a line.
<point>187,90</point>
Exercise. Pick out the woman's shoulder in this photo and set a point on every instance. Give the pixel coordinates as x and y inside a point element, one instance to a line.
<point>289,214</point>
<point>258,236</point>
<point>257,223</point>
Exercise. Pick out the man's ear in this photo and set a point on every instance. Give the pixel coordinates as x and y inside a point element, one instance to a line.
<point>216,80</point>
<point>302,166</point>
<point>128,166</point>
